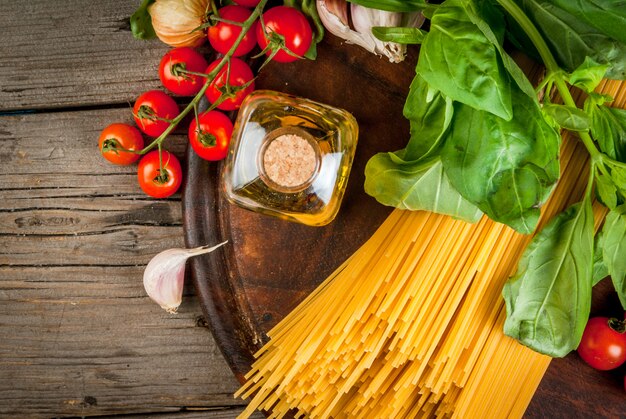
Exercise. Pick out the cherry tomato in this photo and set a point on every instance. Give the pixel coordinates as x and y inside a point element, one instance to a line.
<point>157,183</point>
<point>603,345</point>
<point>177,59</point>
<point>223,35</point>
<point>212,139</point>
<point>239,75</point>
<point>118,137</point>
<point>292,25</point>
<point>152,112</point>
<point>247,3</point>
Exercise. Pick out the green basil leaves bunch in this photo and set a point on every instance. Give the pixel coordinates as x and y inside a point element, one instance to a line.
<point>482,142</point>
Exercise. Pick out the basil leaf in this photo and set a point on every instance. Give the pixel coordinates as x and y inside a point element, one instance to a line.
<point>614,231</point>
<point>606,190</point>
<point>572,39</point>
<point>141,22</point>
<point>418,185</point>
<point>457,59</point>
<point>399,35</point>
<point>600,270</point>
<point>412,178</point>
<point>491,22</point>
<point>611,183</point>
<point>618,176</point>
<point>505,168</point>
<point>430,114</point>
<point>596,99</point>
<point>549,298</point>
<point>568,117</point>
<point>394,5</point>
<point>607,16</point>
<point>608,127</point>
<point>588,75</point>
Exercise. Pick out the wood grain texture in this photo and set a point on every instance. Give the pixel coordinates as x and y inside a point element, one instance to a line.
<point>271,265</point>
<point>79,335</point>
<point>72,53</point>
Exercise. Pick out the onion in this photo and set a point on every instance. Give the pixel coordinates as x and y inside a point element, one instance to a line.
<point>174,21</point>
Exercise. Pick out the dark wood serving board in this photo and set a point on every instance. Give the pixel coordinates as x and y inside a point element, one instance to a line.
<point>270,265</point>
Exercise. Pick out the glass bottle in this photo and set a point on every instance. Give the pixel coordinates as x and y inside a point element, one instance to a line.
<point>290,157</point>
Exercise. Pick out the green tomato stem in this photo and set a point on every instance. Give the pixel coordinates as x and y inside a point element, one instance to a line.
<point>214,8</point>
<point>617,325</point>
<point>246,25</point>
<point>195,115</point>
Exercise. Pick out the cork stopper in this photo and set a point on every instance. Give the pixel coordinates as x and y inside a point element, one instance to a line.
<point>289,159</point>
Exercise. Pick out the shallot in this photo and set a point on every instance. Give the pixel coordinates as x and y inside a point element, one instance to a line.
<point>176,22</point>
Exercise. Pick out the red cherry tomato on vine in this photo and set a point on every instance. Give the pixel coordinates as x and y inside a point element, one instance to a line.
<point>174,62</point>
<point>210,141</point>
<point>247,3</point>
<point>603,345</point>
<point>152,112</point>
<point>223,35</point>
<point>118,137</point>
<point>292,25</point>
<point>240,74</point>
<point>157,183</point>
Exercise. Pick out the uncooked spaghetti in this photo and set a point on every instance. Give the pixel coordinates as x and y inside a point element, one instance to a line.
<point>411,324</point>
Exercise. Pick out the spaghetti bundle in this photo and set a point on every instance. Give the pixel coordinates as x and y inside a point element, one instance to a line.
<point>411,324</point>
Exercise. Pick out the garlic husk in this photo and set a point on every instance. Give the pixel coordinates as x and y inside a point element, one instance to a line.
<point>334,17</point>
<point>164,276</point>
<point>414,19</point>
<point>174,21</point>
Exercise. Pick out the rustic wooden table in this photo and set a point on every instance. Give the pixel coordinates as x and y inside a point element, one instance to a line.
<point>78,335</point>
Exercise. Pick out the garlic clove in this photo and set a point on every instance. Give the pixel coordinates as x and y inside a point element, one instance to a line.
<point>164,276</point>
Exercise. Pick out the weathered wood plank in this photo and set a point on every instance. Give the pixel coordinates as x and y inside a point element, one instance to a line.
<point>79,335</point>
<point>91,342</point>
<point>60,149</point>
<point>72,53</point>
<point>229,413</point>
<point>65,205</point>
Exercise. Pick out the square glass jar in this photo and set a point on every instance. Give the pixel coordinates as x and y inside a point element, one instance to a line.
<point>290,157</point>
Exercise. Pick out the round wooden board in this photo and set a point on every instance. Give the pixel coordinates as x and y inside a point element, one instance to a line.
<point>270,265</point>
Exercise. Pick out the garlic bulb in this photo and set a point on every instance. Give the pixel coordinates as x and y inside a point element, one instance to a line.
<point>334,16</point>
<point>174,21</point>
<point>164,276</point>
